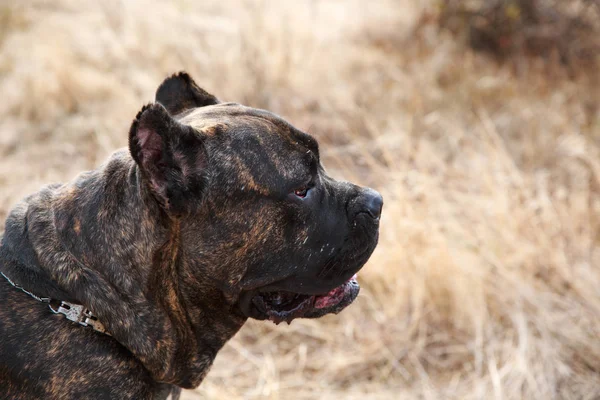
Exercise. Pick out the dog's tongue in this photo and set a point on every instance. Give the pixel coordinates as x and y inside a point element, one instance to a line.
<point>334,296</point>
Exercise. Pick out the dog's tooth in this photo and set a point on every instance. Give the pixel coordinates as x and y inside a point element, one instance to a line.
<point>278,299</point>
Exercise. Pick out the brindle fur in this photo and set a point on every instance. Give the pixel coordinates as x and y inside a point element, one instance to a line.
<point>160,243</point>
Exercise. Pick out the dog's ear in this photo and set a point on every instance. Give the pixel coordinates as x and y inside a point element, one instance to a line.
<point>171,157</point>
<point>179,92</point>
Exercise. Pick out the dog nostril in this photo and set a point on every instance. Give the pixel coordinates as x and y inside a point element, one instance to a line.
<point>373,203</point>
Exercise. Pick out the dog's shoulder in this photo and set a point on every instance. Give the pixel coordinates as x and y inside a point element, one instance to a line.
<point>62,356</point>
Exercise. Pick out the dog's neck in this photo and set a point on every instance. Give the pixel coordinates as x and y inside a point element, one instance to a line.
<point>101,241</point>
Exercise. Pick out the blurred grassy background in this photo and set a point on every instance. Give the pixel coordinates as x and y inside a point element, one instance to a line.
<point>486,284</point>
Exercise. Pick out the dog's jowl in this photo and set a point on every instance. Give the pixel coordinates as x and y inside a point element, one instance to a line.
<point>127,281</point>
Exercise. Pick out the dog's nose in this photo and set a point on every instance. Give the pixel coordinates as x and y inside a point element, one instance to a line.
<point>373,203</point>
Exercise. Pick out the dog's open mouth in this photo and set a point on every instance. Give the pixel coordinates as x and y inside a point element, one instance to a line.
<point>282,306</point>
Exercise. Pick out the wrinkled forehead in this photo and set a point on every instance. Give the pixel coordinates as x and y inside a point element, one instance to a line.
<point>262,147</point>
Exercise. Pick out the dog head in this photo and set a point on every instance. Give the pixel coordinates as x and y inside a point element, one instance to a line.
<point>258,215</point>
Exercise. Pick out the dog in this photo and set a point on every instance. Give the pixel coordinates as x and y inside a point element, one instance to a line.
<point>125,282</point>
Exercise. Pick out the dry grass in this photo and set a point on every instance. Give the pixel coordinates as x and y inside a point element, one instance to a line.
<point>486,284</point>
<point>567,31</point>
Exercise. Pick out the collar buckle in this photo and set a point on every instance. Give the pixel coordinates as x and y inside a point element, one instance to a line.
<point>83,316</point>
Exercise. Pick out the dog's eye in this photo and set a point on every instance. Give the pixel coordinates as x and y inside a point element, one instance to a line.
<point>301,192</point>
